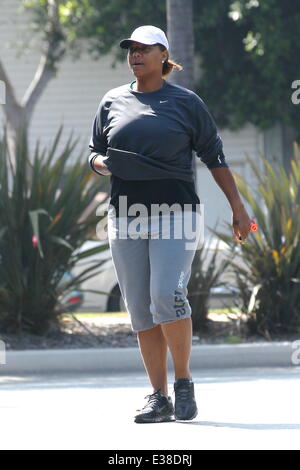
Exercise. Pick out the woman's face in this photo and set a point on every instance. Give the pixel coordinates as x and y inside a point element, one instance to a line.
<point>145,60</point>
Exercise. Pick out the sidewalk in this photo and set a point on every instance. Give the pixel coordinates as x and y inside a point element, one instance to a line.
<point>128,359</point>
<point>276,354</point>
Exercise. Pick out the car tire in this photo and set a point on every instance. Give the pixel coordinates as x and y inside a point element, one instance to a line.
<point>115,302</point>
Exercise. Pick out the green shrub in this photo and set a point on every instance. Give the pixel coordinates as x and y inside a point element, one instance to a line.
<point>267,266</point>
<point>41,229</point>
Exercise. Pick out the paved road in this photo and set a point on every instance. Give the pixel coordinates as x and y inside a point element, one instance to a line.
<point>239,409</point>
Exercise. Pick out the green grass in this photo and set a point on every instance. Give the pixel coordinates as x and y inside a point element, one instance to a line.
<point>223,311</point>
<point>233,339</point>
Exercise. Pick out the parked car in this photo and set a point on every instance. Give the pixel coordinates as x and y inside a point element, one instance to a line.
<point>70,301</point>
<point>110,299</point>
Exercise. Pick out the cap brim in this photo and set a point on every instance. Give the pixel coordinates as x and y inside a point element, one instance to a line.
<point>125,43</point>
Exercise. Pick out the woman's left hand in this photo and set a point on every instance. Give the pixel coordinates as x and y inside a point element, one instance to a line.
<point>241,223</point>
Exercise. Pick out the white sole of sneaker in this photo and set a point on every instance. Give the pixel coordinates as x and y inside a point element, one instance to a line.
<point>156,420</point>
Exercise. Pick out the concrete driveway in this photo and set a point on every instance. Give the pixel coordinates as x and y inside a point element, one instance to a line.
<point>253,408</point>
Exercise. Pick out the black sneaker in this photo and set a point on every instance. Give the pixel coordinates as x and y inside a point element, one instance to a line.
<point>158,409</point>
<point>185,403</point>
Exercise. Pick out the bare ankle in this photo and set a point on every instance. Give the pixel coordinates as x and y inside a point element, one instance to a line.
<point>163,391</point>
<point>183,376</point>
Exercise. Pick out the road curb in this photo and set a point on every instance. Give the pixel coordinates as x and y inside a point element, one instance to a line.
<point>276,354</point>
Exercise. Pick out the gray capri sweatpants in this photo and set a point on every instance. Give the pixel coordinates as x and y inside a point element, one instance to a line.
<point>152,257</point>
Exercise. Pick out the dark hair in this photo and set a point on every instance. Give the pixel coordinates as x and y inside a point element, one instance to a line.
<point>168,64</point>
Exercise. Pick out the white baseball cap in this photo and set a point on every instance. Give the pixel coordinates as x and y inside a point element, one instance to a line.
<point>146,35</point>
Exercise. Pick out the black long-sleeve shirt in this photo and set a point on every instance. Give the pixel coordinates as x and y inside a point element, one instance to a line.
<point>149,137</point>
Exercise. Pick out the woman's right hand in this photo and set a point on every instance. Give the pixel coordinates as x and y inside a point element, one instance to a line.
<point>100,166</point>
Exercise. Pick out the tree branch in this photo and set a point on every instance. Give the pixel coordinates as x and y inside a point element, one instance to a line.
<point>41,78</point>
<point>55,50</point>
<point>11,104</point>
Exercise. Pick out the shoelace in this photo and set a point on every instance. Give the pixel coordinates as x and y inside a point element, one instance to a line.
<point>183,393</point>
<point>153,397</point>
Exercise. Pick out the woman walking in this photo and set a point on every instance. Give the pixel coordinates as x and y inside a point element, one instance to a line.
<point>143,136</point>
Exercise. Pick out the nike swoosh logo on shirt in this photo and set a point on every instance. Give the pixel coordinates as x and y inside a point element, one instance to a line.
<point>164,101</point>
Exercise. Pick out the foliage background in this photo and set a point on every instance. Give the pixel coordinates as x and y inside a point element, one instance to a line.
<point>248,50</point>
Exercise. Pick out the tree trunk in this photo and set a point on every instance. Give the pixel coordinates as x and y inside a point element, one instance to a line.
<point>279,143</point>
<point>181,39</point>
<point>289,137</point>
